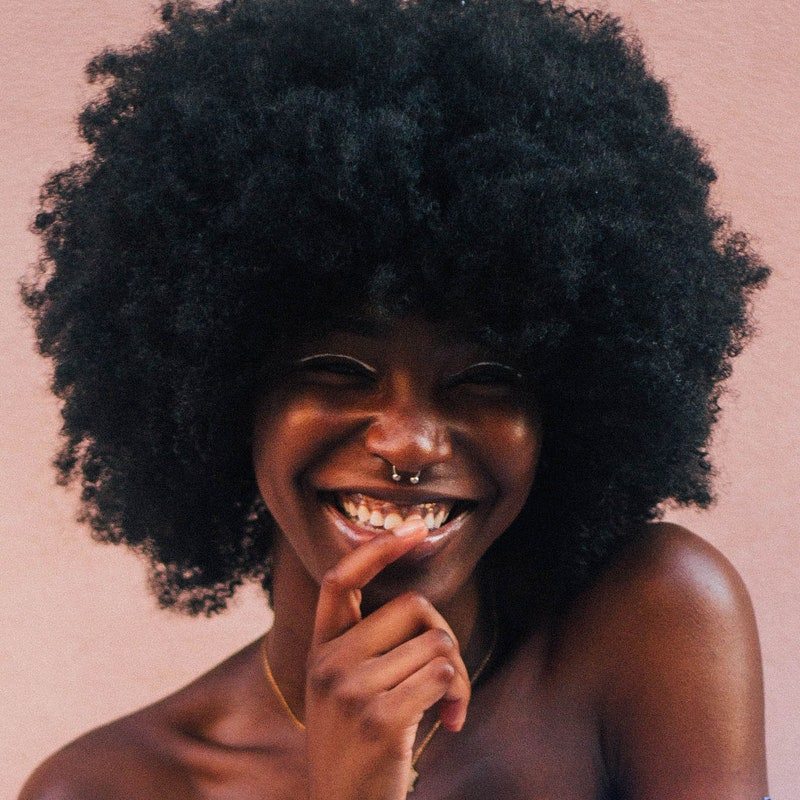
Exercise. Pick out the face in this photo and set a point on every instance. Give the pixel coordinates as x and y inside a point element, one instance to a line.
<point>352,409</point>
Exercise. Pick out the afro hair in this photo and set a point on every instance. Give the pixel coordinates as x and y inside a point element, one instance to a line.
<point>266,167</point>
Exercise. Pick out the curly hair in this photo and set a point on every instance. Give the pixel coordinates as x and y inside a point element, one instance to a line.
<point>266,167</point>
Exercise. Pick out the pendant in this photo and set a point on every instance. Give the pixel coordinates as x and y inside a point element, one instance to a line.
<point>412,779</point>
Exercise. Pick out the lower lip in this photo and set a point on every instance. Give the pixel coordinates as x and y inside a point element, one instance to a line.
<point>436,539</point>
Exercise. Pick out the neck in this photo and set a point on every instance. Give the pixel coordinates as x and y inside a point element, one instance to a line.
<point>294,598</point>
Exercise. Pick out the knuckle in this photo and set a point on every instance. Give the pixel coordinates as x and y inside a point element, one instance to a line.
<point>443,643</point>
<point>351,699</point>
<point>323,675</point>
<point>442,669</point>
<point>418,604</point>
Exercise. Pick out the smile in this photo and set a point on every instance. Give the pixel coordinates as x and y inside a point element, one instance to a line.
<point>372,515</point>
<point>373,512</point>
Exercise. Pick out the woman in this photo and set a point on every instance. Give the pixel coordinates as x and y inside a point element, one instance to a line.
<point>416,313</point>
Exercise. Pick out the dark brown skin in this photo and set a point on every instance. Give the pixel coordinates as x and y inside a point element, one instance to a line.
<point>650,681</point>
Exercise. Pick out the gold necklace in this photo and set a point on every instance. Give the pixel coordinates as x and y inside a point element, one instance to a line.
<point>412,774</point>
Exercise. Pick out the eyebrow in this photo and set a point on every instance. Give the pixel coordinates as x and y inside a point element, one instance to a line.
<point>318,356</point>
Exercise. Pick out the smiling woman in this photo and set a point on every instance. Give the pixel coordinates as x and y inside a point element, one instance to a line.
<point>414,402</point>
<point>415,313</point>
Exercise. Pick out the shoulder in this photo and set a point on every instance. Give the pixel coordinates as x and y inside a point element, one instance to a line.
<point>158,751</point>
<point>121,760</point>
<point>669,584</point>
<point>673,641</point>
<point>673,612</point>
<point>671,576</point>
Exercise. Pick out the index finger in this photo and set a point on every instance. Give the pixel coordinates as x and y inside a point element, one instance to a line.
<point>338,606</point>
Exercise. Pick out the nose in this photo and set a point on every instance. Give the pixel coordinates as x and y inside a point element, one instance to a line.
<point>409,435</point>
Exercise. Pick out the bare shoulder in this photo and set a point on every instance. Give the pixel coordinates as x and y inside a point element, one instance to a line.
<point>123,759</point>
<point>159,751</point>
<point>673,639</point>
<point>673,570</point>
<point>669,583</point>
<point>673,602</point>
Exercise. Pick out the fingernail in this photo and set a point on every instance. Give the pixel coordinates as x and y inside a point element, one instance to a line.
<point>409,526</point>
<point>452,715</point>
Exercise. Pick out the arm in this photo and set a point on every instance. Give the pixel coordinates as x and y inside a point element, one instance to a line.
<point>684,708</point>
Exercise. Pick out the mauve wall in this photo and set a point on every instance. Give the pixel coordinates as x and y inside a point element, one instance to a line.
<point>82,642</point>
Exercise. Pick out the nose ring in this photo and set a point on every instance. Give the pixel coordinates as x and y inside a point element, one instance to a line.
<point>397,477</point>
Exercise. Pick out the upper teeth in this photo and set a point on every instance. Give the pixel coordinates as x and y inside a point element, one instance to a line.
<point>382,514</point>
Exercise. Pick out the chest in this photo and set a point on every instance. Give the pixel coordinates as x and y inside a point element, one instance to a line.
<point>529,734</point>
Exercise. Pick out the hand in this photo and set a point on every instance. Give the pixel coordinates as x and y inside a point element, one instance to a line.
<point>369,681</point>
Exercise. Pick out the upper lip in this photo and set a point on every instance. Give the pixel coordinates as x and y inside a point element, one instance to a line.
<point>405,496</point>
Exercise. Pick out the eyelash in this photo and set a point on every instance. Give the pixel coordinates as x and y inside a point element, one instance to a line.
<point>486,374</point>
<point>483,374</point>
<point>338,365</point>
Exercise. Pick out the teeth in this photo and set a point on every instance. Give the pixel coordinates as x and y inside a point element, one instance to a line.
<point>381,514</point>
<point>391,521</point>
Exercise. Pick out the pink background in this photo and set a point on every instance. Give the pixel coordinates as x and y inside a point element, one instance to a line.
<point>82,641</point>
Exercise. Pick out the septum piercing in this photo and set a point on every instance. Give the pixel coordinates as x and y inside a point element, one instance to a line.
<point>397,477</point>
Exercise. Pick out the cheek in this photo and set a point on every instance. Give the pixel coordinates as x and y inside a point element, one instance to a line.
<point>280,439</point>
<point>288,437</point>
<point>515,446</point>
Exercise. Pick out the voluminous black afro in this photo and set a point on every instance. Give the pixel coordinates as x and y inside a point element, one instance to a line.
<point>264,167</point>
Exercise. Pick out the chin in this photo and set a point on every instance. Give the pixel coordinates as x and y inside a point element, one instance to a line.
<point>425,577</point>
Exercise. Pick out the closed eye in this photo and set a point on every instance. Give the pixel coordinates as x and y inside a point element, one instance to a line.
<point>486,373</point>
<point>334,364</point>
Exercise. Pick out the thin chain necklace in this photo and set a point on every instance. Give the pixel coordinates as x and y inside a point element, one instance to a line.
<point>413,774</point>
